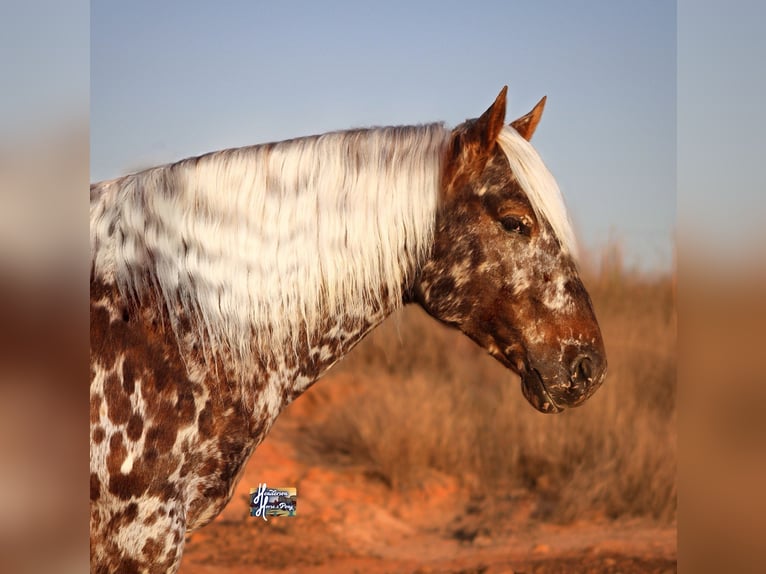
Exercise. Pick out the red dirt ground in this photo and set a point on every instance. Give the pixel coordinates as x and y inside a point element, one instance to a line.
<point>349,521</point>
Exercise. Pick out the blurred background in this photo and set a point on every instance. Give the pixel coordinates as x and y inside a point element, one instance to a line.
<point>653,130</point>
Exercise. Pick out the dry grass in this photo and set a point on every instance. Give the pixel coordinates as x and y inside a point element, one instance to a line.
<point>423,397</point>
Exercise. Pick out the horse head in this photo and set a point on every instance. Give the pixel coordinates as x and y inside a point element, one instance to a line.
<point>502,267</point>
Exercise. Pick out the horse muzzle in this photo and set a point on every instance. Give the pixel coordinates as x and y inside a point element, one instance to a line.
<point>551,388</point>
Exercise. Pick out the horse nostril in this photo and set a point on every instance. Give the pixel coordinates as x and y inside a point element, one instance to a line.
<point>583,371</point>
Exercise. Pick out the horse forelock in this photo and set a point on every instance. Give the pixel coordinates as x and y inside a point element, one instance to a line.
<point>258,245</point>
<point>539,185</point>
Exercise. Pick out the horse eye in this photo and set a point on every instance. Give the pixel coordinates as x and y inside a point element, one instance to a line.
<point>515,225</point>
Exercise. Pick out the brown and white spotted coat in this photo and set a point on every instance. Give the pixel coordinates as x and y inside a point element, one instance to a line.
<point>172,428</point>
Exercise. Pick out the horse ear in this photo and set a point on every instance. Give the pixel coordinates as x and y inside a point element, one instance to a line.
<point>473,141</point>
<point>526,125</point>
<point>491,122</point>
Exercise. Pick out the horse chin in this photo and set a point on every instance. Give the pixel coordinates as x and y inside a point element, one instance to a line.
<point>533,389</point>
<point>532,385</point>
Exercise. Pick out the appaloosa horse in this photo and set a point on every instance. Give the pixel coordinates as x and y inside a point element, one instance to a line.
<point>223,286</point>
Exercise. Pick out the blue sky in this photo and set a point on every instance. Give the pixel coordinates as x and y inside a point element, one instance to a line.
<point>173,79</point>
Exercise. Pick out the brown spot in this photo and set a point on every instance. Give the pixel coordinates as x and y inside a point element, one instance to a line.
<point>152,549</point>
<point>98,435</point>
<point>95,407</point>
<point>95,487</point>
<point>117,454</point>
<point>127,486</point>
<point>128,376</point>
<point>102,350</point>
<point>124,517</point>
<point>165,490</point>
<point>135,427</point>
<point>152,518</point>
<point>205,420</point>
<point>442,288</point>
<point>208,467</point>
<point>128,566</point>
<point>117,401</point>
<point>161,437</point>
<point>186,467</point>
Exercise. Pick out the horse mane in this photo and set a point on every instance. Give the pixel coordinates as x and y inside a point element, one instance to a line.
<point>539,185</point>
<point>258,245</point>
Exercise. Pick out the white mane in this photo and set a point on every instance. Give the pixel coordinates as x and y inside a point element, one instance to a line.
<point>264,241</point>
<point>539,185</point>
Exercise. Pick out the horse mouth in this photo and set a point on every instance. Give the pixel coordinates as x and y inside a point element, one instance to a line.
<point>533,389</point>
<point>532,385</point>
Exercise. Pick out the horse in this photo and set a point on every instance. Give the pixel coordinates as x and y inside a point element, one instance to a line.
<point>224,285</point>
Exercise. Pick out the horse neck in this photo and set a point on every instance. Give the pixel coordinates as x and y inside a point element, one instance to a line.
<point>275,274</point>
